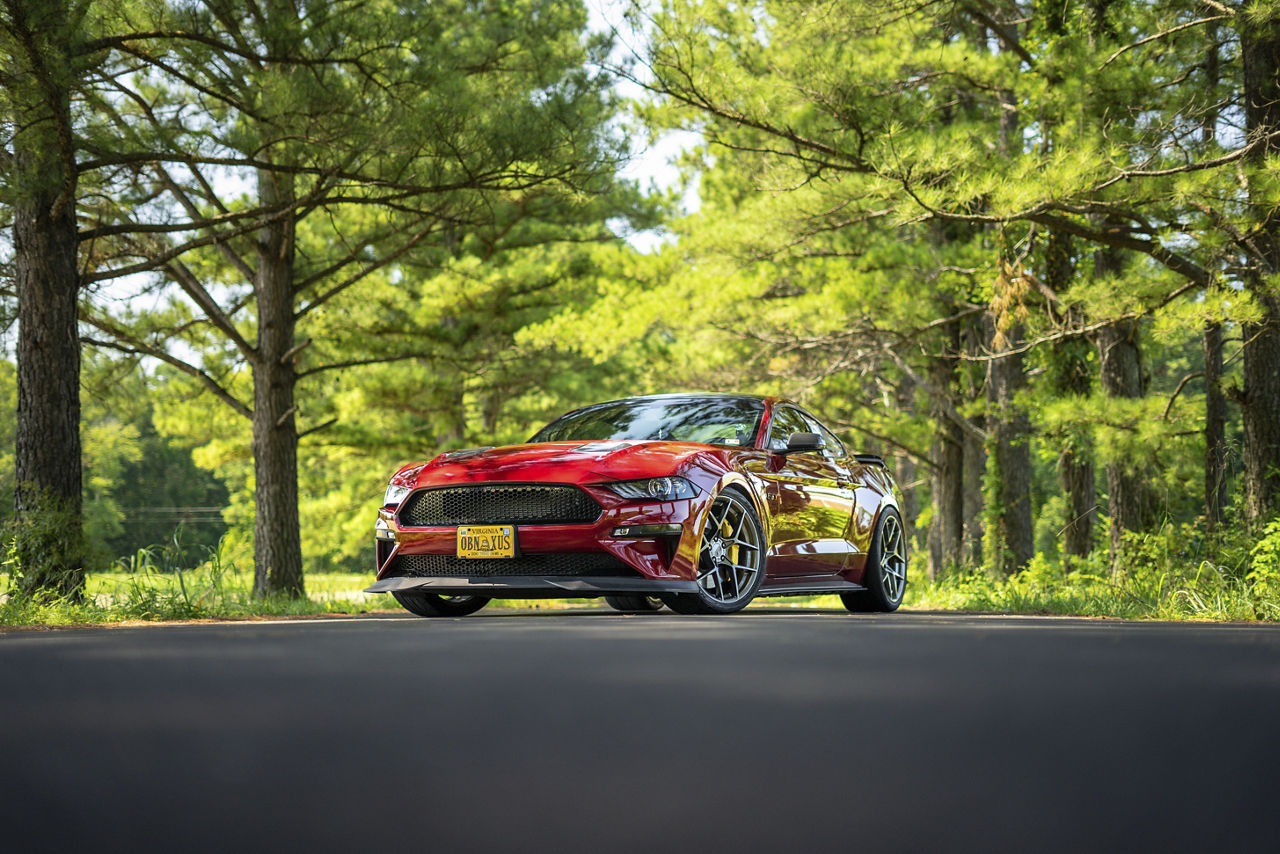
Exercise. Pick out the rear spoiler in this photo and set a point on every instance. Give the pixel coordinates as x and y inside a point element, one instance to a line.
<point>870,460</point>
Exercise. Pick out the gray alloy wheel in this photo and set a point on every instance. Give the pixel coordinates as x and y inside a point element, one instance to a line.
<point>731,559</point>
<point>886,573</point>
<point>634,604</point>
<point>435,605</point>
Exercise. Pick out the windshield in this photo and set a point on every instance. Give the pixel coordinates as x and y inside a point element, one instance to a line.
<point>719,420</point>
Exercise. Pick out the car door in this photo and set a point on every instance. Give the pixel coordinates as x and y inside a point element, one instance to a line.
<point>810,500</point>
<point>860,489</point>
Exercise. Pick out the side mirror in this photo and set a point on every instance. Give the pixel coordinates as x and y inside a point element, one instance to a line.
<point>804,443</point>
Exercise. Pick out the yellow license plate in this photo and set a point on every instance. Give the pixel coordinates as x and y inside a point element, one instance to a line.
<point>487,541</point>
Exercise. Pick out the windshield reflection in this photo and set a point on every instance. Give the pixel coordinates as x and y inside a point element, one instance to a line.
<point>723,421</point>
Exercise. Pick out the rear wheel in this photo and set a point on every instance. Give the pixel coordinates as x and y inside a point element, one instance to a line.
<point>634,604</point>
<point>434,605</point>
<point>886,574</point>
<point>730,560</point>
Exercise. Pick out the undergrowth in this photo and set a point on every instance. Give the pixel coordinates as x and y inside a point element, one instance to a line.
<point>149,586</point>
<point>1171,573</point>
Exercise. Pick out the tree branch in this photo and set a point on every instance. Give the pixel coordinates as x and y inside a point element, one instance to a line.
<point>361,274</point>
<point>1177,391</point>
<point>138,348</point>
<point>943,400</point>
<point>183,199</point>
<point>1007,38</point>
<point>1156,36</point>
<point>356,363</point>
<point>192,286</point>
<point>317,428</point>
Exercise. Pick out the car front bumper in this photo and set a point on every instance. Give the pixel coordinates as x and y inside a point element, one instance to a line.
<point>642,564</point>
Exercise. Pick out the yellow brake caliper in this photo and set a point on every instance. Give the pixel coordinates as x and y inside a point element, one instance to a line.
<point>726,530</point>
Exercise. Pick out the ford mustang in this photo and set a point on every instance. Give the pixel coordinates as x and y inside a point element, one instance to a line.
<point>696,502</point>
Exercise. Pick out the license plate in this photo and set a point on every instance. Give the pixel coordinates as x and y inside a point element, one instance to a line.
<point>487,541</point>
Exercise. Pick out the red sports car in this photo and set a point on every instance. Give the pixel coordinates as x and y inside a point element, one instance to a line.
<point>699,502</point>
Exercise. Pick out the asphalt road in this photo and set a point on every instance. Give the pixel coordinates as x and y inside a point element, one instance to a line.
<point>597,732</point>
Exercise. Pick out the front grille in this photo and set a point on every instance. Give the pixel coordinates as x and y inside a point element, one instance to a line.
<point>559,564</point>
<point>519,504</point>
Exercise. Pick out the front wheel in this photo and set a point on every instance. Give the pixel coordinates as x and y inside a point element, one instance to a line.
<point>434,605</point>
<point>886,574</point>
<point>730,560</point>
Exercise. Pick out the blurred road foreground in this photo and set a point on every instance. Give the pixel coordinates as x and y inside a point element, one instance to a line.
<point>771,730</point>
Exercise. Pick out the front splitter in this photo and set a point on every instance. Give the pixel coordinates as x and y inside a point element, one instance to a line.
<point>548,586</point>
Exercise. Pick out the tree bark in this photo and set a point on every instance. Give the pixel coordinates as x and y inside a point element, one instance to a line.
<point>277,547</point>
<point>47,500</point>
<point>1076,472</point>
<point>1260,398</point>
<point>1071,378</point>
<point>975,469</point>
<point>905,467</point>
<point>1010,527</point>
<point>1215,429</point>
<point>945,535</point>
<point>1215,399</point>
<point>1128,498</point>
<point>977,340</point>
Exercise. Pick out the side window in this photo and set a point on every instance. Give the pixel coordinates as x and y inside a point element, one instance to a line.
<point>785,421</point>
<point>835,448</point>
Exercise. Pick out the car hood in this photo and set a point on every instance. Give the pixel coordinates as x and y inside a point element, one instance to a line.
<point>557,462</point>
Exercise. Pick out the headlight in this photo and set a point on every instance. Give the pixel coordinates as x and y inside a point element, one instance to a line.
<point>654,488</point>
<point>395,494</point>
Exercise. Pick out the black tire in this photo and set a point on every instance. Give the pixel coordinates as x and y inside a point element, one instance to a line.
<point>886,574</point>
<point>731,559</point>
<point>434,605</point>
<point>634,604</point>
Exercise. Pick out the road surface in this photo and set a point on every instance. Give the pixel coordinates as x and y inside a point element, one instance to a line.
<point>588,731</point>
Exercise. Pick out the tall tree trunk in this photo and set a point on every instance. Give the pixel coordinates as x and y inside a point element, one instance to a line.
<point>977,340</point>
<point>945,536</point>
<point>1076,472</point>
<point>49,539</point>
<point>1260,398</point>
<point>1215,429</point>
<point>1010,529</point>
<point>1128,498</point>
<point>975,470</point>
<point>1072,379</point>
<point>1215,400</point>
<point>277,548</point>
<point>905,468</point>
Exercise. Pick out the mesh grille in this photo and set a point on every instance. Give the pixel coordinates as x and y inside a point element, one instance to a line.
<point>561,564</point>
<point>493,504</point>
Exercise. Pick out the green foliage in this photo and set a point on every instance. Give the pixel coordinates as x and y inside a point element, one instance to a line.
<point>153,585</point>
<point>1264,573</point>
<point>44,552</point>
<point>1165,574</point>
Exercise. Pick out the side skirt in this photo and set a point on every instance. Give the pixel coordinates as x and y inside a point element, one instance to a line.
<point>810,588</point>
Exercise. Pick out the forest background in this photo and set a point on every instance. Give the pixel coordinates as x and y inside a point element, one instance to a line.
<point>260,253</point>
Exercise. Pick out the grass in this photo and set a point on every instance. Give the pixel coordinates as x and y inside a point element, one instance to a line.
<point>1167,574</point>
<point>147,586</point>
